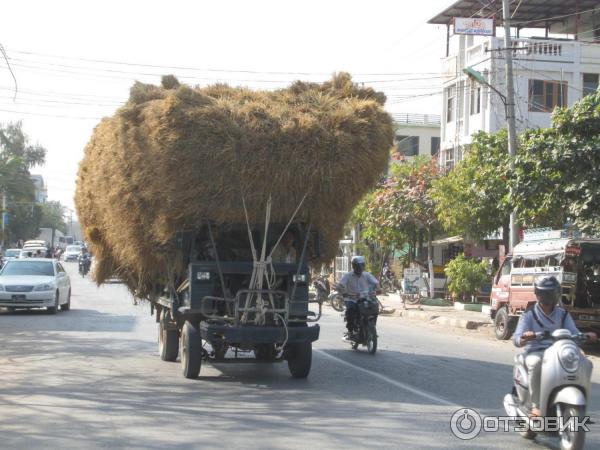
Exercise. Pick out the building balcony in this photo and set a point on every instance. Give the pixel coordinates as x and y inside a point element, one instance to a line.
<point>525,49</point>
<point>417,119</point>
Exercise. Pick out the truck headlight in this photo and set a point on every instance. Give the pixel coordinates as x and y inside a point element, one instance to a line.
<point>569,358</point>
<point>300,278</point>
<point>203,276</point>
<point>44,287</point>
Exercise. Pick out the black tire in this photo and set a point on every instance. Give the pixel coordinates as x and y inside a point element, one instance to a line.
<point>54,309</point>
<point>337,303</point>
<point>300,359</point>
<point>191,351</point>
<point>168,340</point>
<point>503,324</point>
<point>572,440</point>
<point>371,339</point>
<point>67,306</point>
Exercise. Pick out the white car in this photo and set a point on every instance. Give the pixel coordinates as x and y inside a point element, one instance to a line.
<point>72,253</point>
<point>12,253</point>
<point>35,283</point>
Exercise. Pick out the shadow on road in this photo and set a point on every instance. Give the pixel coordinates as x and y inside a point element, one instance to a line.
<point>73,320</point>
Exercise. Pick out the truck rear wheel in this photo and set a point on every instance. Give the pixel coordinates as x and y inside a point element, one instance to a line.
<point>300,359</point>
<point>168,340</point>
<point>503,324</point>
<point>191,350</point>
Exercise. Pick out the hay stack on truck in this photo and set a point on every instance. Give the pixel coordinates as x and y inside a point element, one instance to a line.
<point>212,203</point>
<point>572,259</point>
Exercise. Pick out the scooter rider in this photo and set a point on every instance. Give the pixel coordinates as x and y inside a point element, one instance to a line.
<point>354,285</point>
<point>546,315</point>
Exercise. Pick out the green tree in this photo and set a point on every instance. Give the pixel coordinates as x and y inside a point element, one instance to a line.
<point>17,157</point>
<point>465,275</point>
<point>53,216</point>
<point>472,199</point>
<point>401,208</point>
<point>557,174</point>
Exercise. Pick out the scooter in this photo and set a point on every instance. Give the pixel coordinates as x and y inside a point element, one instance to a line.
<point>564,387</point>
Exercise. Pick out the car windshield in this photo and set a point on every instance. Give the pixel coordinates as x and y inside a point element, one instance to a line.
<point>12,253</point>
<point>28,268</point>
<point>73,248</point>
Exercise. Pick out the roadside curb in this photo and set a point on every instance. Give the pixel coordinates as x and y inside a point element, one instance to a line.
<point>439,318</point>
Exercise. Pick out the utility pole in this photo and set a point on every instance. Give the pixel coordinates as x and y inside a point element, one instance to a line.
<point>510,112</point>
<point>3,219</point>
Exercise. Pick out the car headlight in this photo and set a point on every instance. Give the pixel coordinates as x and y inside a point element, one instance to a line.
<point>569,358</point>
<point>300,278</point>
<point>44,287</point>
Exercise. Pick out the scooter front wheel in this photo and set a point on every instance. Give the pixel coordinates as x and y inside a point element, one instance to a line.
<point>572,439</point>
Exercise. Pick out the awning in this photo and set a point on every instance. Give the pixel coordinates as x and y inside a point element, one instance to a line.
<point>448,240</point>
<point>525,14</point>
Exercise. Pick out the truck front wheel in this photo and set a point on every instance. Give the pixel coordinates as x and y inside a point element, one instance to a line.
<point>300,359</point>
<point>191,350</point>
<point>503,324</point>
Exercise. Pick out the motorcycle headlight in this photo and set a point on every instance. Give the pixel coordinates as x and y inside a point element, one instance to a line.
<point>569,358</point>
<point>44,287</point>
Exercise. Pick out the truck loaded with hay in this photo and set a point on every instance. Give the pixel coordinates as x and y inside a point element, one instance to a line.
<point>213,202</point>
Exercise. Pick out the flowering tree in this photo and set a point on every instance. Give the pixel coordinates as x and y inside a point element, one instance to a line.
<point>401,207</point>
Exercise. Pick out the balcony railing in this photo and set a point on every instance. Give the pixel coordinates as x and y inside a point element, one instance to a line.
<point>416,119</point>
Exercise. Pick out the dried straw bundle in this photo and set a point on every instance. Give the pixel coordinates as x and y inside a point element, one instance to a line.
<point>175,156</point>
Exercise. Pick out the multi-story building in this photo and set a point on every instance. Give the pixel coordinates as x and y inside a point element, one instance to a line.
<point>40,193</point>
<point>556,60</point>
<point>416,134</point>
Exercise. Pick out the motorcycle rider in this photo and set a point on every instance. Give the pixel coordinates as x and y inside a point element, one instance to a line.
<point>546,315</point>
<point>85,261</point>
<point>355,285</point>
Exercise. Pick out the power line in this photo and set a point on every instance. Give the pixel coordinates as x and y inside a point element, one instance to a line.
<point>200,69</point>
<point>512,24</point>
<point>9,69</point>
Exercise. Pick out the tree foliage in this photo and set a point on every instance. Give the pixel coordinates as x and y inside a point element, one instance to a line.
<point>557,172</point>
<point>17,157</point>
<point>53,216</point>
<point>472,199</point>
<point>465,275</point>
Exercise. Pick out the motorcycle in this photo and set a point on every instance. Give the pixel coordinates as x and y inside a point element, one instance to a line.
<point>84,265</point>
<point>365,326</point>
<point>322,288</point>
<point>388,280</point>
<point>336,299</point>
<point>564,387</point>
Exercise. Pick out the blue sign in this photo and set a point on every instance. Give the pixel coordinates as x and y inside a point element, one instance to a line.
<point>5,218</point>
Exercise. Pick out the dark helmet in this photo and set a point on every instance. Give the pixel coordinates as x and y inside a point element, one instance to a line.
<point>358,264</point>
<point>547,290</point>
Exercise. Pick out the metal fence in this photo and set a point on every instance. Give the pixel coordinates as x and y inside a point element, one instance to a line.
<point>342,266</point>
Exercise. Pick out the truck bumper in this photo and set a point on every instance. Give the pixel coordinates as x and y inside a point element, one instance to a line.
<point>256,334</point>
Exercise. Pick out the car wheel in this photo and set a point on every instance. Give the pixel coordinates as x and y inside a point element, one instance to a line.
<point>54,309</point>
<point>67,306</point>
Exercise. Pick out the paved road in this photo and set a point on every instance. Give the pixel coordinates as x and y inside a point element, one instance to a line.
<point>92,378</point>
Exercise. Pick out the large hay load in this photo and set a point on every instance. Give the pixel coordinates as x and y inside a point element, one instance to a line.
<point>174,157</point>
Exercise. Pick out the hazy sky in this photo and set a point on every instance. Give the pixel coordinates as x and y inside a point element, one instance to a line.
<point>75,60</point>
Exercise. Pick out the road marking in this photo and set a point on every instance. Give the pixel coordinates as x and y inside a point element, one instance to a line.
<point>389,380</point>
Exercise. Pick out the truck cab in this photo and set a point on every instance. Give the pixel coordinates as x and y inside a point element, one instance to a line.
<point>245,294</point>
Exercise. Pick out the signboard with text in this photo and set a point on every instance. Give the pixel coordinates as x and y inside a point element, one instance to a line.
<point>474,25</point>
